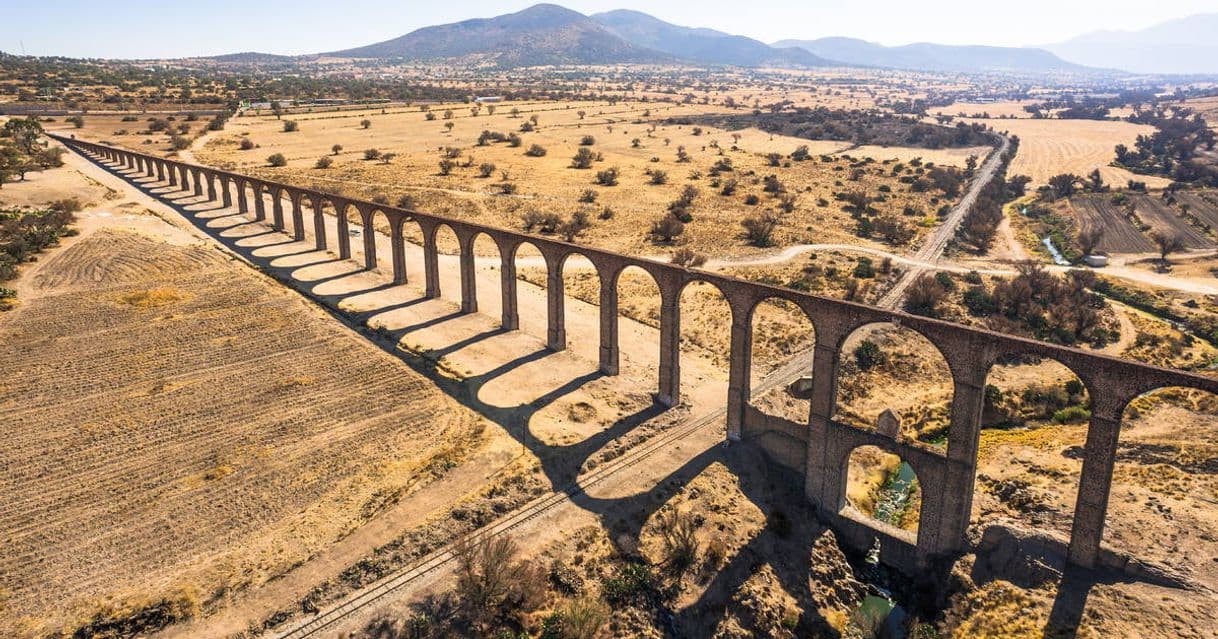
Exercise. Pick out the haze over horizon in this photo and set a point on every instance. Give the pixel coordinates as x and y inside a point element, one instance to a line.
<point>75,28</point>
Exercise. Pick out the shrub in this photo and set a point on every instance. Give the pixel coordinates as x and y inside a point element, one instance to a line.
<point>678,535</point>
<point>729,187</point>
<point>247,144</point>
<point>536,151</point>
<point>179,143</point>
<point>657,177</point>
<point>290,126</point>
<point>628,584</point>
<point>541,222</point>
<point>864,269</point>
<point>587,140</point>
<point>924,296</point>
<point>588,196</point>
<point>667,228</point>
<point>868,355</point>
<point>365,123</point>
<point>406,202</point>
<point>752,200</point>
<point>1072,415</point>
<point>607,177</point>
<point>759,229</point>
<point>323,162</point>
<point>486,170</point>
<point>581,618</point>
<point>277,160</point>
<point>583,159</point>
<point>573,227</point>
<point>514,140</point>
<point>688,258</point>
<point>336,149</point>
<point>77,121</point>
<point>446,166</point>
<point>372,154</point>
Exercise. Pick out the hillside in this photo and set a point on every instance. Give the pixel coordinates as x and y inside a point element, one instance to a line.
<point>935,57</point>
<point>1186,45</point>
<point>705,46</point>
<point>544,34</point>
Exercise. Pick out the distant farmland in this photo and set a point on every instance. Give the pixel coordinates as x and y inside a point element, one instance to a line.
<point>1128,223</point>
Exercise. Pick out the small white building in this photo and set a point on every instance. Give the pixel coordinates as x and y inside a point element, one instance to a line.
<point>488,99</point>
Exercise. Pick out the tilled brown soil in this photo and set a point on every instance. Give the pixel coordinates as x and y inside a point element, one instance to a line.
<point>174,426</point>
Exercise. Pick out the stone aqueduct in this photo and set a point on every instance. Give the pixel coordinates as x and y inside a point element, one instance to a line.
<point>820,448</point>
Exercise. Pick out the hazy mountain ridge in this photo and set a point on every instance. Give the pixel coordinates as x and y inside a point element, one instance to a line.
<point>701,45</point>
<point>927,56</point>
<point>1185,45</point>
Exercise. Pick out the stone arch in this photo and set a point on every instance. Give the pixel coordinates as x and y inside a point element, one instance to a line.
<point>883,370</point>
<point>533,261</point>
<point>884,488</point>
<point>697,313</point>
<point>296,199</point>
<point>1032,407</point>
<point>778,330</point>
<point>644,292</point>
<point>482,251</point>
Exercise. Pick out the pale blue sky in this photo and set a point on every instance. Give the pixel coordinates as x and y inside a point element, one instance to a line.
<point>165,28</point>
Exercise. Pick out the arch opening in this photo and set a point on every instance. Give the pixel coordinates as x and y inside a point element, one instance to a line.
<point>780,332</point>
<point>883,487</point>
<point>1161,503</point>
<point>889,373</point>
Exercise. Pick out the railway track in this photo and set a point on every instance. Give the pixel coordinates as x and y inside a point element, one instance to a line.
<point>933,249</point>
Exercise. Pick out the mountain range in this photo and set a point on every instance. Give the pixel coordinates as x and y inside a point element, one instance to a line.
<point>1186,45</point>
<point>548,34</point>
<point>935,57</point>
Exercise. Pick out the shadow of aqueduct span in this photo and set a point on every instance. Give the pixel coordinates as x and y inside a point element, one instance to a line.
<point>819,449</point>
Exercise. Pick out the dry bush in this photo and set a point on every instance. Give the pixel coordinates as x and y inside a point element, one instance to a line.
<point>491,583</point>
<point>678,534</point>
<point>688,258</point>
<point>759,229</point>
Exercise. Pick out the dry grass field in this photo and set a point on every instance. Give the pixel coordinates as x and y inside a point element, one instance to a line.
<point>635,138</point>
<point>1050,147</point>
<point>178,428</point>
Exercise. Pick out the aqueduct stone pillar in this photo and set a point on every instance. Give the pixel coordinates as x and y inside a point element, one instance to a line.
<point>509,318</point>
<point>1095,482</point>
<point>821,479</point>
<point>556,320</point>
<point>276,209</point>
<point>468,266</point>
<point>298,232</point>
<point>197,179</point>
<point>344,231</point>
<point>738,382</point>
<point>369,236</point>
<point>259,202</point>
<point>226,198</point>
<point>431,262</point>
<point>397,246</point>
<point>243,204</point>
<point>211,187</point>
<point>319,224</point>
<point>173,175</point>
<point>609,354</point>
<point>670,346</point>
<point>160,171</point>
<point>963,440</point>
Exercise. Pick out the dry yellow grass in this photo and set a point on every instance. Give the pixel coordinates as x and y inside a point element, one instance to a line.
<point>633,137</point>
<point>152,297</point>
<point>150,456</point>
<point>1049,147</point>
